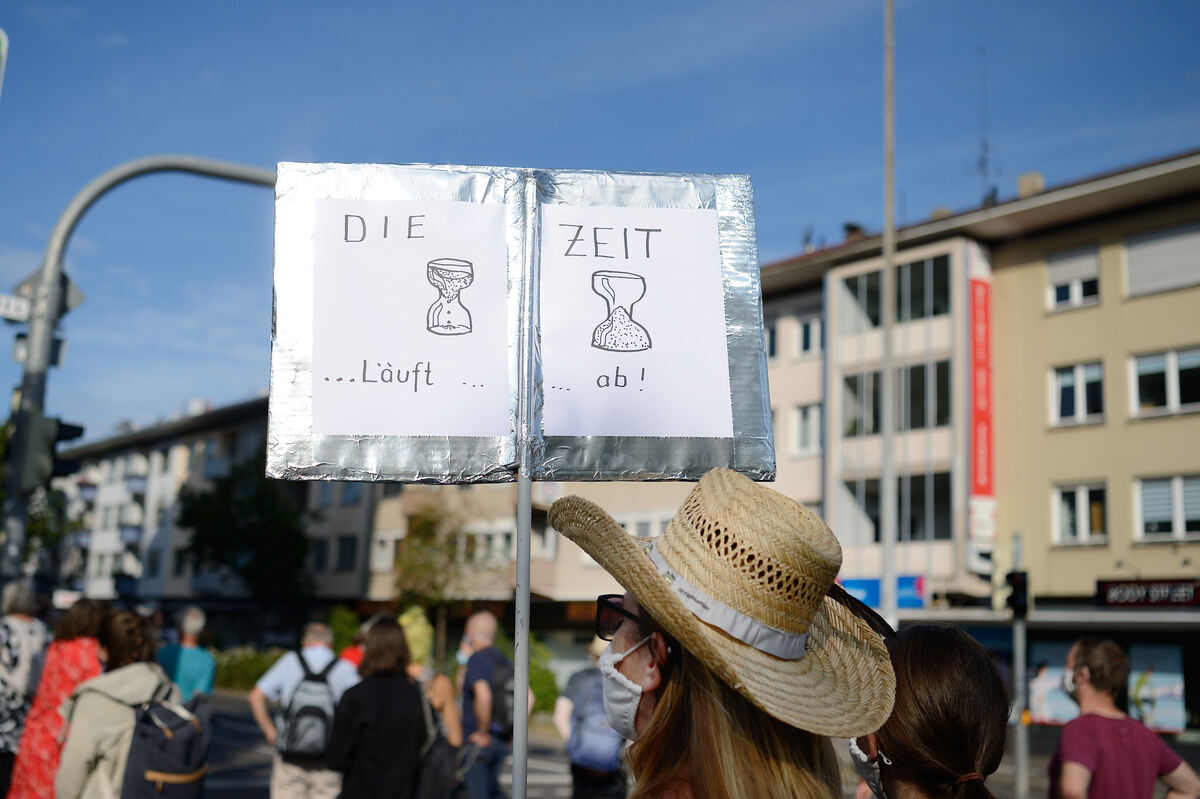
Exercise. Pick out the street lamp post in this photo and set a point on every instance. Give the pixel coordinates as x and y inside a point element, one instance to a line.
<point>46,308</point>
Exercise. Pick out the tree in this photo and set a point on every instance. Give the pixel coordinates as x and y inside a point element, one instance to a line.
<point>428,564</point>
<point>253,527</point>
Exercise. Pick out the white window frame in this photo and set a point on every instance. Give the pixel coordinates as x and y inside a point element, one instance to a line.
<point>815,325</point>
<point>1084,534</point>
<point>1178,519</point>
<point>806,418</point>
<point>1082,414</point>
<point>1075,298</point>
<point>1172,376</point>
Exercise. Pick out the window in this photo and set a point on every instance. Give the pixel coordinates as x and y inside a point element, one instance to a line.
<point>1080,514</point>
<point>806,422</point>
<point>860,303</point>
<point>179,562</point>
<point>769,337</point>
<point>1073,279</point>
<point>923,289</point>
<point>860,404</point>
<point>642,529</point>
<point>152,563</point>
<point>324,494</point>
<point>811,338</point>
<point>1169,507</point>
<point>923,506</point>
<point>1078,394</point>
<point>351,493</point>
<point>385,554</point>
<point>392,490</point>
<point>1166,382</point>
<point>923,396</point>
<point>320,555</point>
<point>1163,260</point>
<point>347,553</point>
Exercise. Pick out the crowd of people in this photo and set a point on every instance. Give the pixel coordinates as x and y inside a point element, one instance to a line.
<point>732,667</point>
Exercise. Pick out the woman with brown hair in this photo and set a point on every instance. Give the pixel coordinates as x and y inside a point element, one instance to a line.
<point>946,732</point>
<point>71,658</point>
<point>728,666</point>
<point>379,726</point>
<point>100,712</point>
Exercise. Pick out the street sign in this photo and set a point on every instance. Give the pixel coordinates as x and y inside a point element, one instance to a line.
<point>13,308</point>
<point>71,295</point>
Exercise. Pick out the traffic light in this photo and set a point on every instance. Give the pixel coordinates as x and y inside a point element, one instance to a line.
<point>41,462</point>
<point>1018,597</point>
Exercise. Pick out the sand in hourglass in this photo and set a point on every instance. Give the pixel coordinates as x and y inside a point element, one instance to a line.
<point>448,316</point>
<point>620,332</point>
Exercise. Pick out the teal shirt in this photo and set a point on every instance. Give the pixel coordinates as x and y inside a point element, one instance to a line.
<point>189,667</point>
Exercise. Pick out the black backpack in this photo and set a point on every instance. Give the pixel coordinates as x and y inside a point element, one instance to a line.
<point>307,721</point>
<point>168,755</point>
<point>503,684</point>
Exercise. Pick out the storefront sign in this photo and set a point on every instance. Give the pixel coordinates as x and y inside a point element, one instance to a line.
<point>910,590</point>
<point>1148,593</point>
<point>982,506</point>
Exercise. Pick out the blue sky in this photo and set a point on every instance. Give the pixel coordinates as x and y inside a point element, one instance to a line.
<point>177,269</point>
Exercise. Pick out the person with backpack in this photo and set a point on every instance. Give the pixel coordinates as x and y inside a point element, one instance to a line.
<point>307,684</point>
<point>593,747</point>
<point>107,752</point>
<point>488,690</point>
<point>379,729</point>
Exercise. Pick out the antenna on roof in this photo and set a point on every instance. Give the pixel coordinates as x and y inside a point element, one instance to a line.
<point>983,165</point>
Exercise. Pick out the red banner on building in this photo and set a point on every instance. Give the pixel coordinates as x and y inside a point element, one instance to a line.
<point>982,484</point>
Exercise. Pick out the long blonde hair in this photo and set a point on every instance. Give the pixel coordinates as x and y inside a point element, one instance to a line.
<point>707,736</point>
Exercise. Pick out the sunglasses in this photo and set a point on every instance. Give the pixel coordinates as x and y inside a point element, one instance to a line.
<point>610,615</point>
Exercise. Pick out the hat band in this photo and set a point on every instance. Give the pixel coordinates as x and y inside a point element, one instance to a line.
<point>789,646</point>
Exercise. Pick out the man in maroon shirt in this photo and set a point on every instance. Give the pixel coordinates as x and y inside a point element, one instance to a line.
<point>1104,754</point>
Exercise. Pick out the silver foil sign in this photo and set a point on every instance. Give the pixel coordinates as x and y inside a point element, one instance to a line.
<point>410,301</point>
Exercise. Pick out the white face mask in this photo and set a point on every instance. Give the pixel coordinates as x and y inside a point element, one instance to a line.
<point>621,694</point>
<point>868,770</point>
<point>1068,682</point>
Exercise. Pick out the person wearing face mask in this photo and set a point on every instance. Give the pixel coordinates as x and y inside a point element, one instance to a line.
<point>946,731</point>
<point>729,667</point>
<point>1104,754</point>
<point>487,741</point>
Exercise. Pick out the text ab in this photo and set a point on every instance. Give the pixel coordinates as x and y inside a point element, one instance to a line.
<point>618,380</point>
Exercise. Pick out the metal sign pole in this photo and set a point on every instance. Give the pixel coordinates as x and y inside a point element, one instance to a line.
<point>1020,684</point>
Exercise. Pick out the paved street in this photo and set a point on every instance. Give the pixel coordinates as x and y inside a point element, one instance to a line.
<point>241,760</point>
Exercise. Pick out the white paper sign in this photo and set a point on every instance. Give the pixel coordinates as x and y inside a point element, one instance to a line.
<point>633,323</point>
<point>410,335</point>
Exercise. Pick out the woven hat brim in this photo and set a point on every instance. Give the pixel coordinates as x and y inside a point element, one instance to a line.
<point>844,685</point>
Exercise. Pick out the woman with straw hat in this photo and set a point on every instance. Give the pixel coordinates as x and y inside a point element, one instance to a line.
<point>728,667</point>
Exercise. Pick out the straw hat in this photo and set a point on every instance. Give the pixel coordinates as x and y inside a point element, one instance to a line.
<point>739,578</point>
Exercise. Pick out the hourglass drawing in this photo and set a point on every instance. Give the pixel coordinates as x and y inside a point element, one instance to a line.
<point>448,316</point>
<point>619,332</point>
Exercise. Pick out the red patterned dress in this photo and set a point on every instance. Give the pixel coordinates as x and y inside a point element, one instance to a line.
<point>68,663</point>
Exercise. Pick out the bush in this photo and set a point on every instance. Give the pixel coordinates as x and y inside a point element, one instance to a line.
<point>344,623</point>
<point>541,678</point>
<point>239,668</point>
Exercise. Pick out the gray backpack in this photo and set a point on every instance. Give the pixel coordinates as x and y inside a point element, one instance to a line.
<point>307,721</point>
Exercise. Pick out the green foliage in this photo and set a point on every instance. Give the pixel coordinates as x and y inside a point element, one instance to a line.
<point>541,678</point>
<point>427,559</point>
<point>345,623</point>
<point>255,528</point>
<point>239,668</point>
